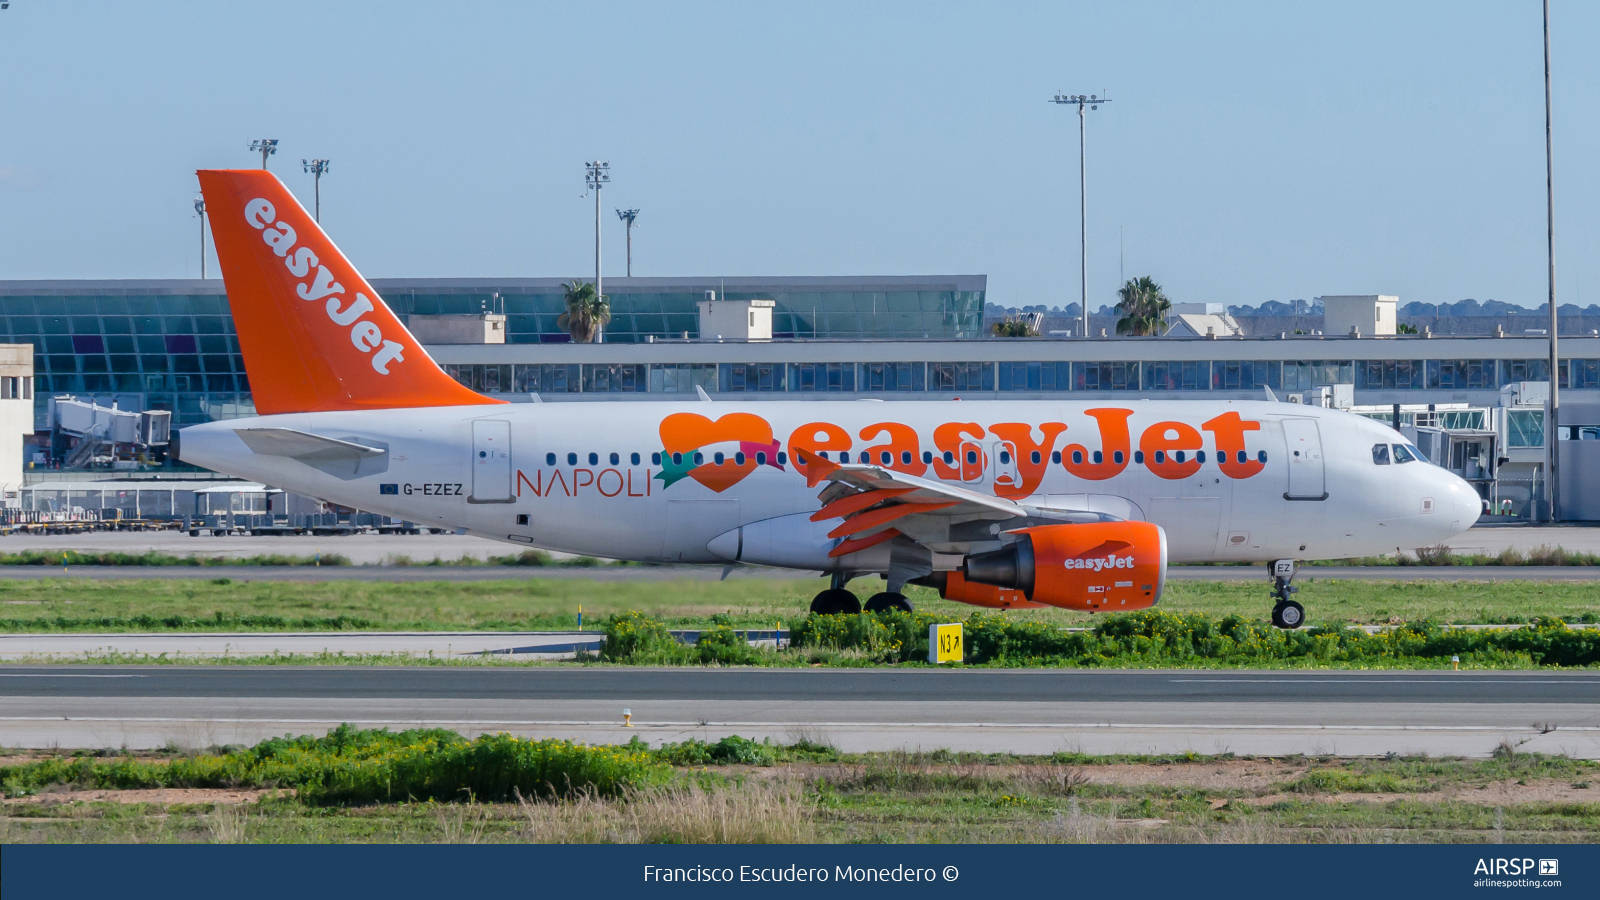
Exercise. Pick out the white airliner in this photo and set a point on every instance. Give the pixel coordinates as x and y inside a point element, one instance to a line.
<point>1075,504</point>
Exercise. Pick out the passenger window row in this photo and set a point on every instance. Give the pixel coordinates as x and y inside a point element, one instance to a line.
<point>886,458</point>
<point>697,458</point>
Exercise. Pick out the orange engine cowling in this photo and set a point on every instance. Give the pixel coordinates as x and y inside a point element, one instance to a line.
<point>1095,566</point>
<point>953,586</point>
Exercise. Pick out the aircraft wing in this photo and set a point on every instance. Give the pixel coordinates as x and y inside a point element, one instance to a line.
<point>303,445</point>
<point>877,504</point>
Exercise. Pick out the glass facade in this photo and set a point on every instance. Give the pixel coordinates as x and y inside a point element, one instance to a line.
<point>1029,377</point>
<point>155,345</point>
<point>172,346</point>
<point>638,314</point>
<point>175,352</point>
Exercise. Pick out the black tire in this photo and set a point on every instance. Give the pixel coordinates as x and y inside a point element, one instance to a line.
<point>834,602</point>
<point>1290,615</point>
<point>887,600</point>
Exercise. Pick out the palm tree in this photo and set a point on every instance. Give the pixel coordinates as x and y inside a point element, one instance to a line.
<point>1016,326</point>
<point>1143,308</point>
<point>586,312</point>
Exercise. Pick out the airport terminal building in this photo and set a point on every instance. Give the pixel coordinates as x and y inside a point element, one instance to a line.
<point>170,345</point>
<point>151,344</point>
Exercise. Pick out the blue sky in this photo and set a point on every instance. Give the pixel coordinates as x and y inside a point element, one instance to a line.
<point>1252,152</point>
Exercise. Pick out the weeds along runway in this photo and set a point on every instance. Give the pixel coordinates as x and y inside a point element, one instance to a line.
<point>715,573</point>
<point>1256,712</point>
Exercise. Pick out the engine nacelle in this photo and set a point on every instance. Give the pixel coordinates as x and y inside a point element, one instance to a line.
<point>954,586</point>
<point>1095,566</point>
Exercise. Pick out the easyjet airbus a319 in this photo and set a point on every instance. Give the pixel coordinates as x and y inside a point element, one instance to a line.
<point>1003,504</point>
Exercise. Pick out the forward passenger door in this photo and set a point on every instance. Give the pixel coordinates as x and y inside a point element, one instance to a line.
<point>1303,446</point>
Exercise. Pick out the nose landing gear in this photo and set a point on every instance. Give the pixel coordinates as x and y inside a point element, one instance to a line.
<point>1286,613</point>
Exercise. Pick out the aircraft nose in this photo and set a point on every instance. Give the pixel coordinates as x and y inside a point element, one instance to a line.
<point>1465,506</point>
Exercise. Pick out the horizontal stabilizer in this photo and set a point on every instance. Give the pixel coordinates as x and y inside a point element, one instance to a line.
<point>303,446</point>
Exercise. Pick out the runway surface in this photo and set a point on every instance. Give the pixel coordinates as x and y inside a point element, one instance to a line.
<point>515,645</point>
<point>1115,711</point>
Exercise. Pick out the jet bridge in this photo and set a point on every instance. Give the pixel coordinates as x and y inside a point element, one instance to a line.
<point>86,435</point>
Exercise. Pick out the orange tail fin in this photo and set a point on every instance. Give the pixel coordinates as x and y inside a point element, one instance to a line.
<point>315,335</point>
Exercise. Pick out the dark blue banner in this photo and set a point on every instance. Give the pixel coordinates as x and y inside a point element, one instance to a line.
<point>1187,871</point>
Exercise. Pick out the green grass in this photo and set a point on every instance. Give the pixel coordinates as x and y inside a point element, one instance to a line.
<point>66,604</point>
<point>740,791</point>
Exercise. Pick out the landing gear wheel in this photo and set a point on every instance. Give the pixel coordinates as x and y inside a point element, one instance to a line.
<point>888,600</point>
<point>835,602</point>
<point>1285,612</point>
<point>1289,615</point>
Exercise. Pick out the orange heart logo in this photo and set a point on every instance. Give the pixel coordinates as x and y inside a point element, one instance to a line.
<point>687,432</point>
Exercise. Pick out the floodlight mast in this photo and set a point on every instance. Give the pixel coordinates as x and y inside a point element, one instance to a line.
<point>627,216</point>
<point>200,213</point>
<point>1092,101</point>
<point>266,147</point>
<point>1552,430</point>
<point>316,168</point>
<point>597,174</point>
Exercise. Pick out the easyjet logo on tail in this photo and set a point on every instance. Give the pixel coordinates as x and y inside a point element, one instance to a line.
<point>365,334</point>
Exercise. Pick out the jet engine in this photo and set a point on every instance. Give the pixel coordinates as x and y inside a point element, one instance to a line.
<point>952,586</point>
<point>1094,566</point>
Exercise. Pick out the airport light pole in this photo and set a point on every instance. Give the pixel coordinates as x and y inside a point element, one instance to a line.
<point>1092,101</point>
<point>627,216</point>
<point>597,174</point>
<point>200,212</point>
<point>316,168</point>
<point>1552,427</point>
<point>266,147</point>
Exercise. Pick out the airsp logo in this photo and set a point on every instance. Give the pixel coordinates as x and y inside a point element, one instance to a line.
<point>1501,866</point>
<point>365,335</point>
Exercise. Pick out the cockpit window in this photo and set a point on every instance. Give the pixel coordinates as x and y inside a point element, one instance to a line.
<point>1404,454</point>
<point>1380,454</point>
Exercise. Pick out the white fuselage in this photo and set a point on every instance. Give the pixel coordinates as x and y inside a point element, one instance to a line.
<point>543,474</point>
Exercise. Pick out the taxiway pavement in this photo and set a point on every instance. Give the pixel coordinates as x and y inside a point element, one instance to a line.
<point>1037,711</point>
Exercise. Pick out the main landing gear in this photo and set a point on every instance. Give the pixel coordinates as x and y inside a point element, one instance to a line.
<point>834,602</point>
<point>1286,613</point>
<point>838,601</point>
<point>884,601</point>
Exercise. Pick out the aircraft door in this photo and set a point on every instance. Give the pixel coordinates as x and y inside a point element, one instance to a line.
<point>491,461</point>
<point>971,461</point>
<point>1303,444</point>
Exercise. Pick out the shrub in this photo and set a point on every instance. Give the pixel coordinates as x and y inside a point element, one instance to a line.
<point>637,638</point>
<point>351,765</point>
<point>891,636</point>
<point>1152,637</point>
<point>732,750</point>
<point>721,644</point>
<point>525,558</point>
